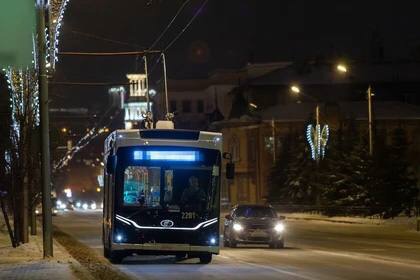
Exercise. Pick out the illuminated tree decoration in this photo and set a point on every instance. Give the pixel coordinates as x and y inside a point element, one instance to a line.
<point>56,15</point>
<point>24,108</point>
<point>317,139</point>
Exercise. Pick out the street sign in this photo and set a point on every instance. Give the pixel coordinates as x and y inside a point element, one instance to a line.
<point>17,31</point>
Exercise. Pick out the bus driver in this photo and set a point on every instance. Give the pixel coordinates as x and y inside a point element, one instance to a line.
<point>193,196</point>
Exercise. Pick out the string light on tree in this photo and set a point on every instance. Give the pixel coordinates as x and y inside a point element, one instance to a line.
<point>57,9</point>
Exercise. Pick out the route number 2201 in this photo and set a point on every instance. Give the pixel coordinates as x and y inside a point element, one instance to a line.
<point>188,215</point>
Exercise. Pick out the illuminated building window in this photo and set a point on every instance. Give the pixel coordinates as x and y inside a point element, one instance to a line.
<point>268,143</point>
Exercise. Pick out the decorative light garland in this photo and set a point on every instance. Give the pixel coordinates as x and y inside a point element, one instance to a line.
<point>57,10</point>
<point>83,142</point>
<point>317,139</point>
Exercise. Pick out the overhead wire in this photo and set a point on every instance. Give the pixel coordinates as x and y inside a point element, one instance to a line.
<point>196,14</point>
<point>171,43</point>
<point>169,25</point>
<point>100,38</point>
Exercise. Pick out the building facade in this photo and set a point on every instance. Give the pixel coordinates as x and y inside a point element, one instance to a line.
<point>255,142</point>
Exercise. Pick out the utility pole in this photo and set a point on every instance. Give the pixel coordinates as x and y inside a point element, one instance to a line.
<point>317,114</point>
<point>273,134</point>
<point>45,140</point>
<point>369,96</point>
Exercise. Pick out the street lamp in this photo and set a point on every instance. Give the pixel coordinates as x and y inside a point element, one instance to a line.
<point>295,89</point>
<point>317,135</point>
<point>343,69</point>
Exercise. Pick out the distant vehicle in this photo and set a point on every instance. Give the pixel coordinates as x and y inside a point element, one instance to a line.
<point>92,205</point>
<point>69,206</point>
<point>162,193</point>
<point>38,210</point>
<point>253,224</point>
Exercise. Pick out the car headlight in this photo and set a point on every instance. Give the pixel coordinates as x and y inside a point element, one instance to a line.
<point>237,227</point>
<point>279,227</point>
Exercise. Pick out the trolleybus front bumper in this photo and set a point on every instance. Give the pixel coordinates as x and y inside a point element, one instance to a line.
<point>165,247</point>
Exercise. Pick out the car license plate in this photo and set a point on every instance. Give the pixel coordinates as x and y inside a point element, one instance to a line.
<point>258,233</point>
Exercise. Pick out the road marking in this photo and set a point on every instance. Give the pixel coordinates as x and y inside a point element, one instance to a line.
<point>372,258</point>
<point>266,267</point>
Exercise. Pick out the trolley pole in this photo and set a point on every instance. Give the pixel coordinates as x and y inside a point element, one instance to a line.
<point>369,96</point>
<point>45,140</point>
<point>147,83</point>
<point>166,85</point>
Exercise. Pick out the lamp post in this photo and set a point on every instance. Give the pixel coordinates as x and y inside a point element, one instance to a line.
<point>369,97</point>
<point>45,139</point>
<point>342,68</point>
<point>317,136</point>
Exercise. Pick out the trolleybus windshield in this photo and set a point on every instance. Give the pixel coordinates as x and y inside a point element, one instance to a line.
<point>180,180</point>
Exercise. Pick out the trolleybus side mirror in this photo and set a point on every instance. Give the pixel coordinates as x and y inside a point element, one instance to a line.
<point>110,163</point>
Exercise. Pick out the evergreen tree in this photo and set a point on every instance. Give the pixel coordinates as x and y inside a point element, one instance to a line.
<point>278,175</point>
<point>344,172</point>
<point>393,186</point>
<point>301,175</point>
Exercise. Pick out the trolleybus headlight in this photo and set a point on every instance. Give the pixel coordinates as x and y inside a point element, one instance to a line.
<point>238,227</point>
<point>279,228</point>
<point>213,241</point>
<point>118,238</point>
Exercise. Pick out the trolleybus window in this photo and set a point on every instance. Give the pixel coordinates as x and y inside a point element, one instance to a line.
<point>142,186</point>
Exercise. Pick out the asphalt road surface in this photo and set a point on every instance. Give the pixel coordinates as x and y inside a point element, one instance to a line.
<point>314,250</point>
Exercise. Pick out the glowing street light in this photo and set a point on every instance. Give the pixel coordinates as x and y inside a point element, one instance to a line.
<point>68,192</point>
<point>253,105</point>
<point>342,68</point>
<point>295,89</point>
<point>64,130</point>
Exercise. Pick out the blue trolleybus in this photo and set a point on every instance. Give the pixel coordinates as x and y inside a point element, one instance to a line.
<point>162,193</point>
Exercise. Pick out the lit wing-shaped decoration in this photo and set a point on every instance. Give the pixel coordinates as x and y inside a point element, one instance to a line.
<point>317,138</point>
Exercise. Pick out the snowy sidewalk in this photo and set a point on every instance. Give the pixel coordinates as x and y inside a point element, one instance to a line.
<point>26,261</point>
<point>403,222</point>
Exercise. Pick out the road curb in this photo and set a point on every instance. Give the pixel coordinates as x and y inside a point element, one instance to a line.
<point>97,266</point>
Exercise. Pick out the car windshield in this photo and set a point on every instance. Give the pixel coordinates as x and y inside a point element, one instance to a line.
<point>256,212</point>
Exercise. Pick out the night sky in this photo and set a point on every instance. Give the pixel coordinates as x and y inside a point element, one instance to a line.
<point>226,34</point>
